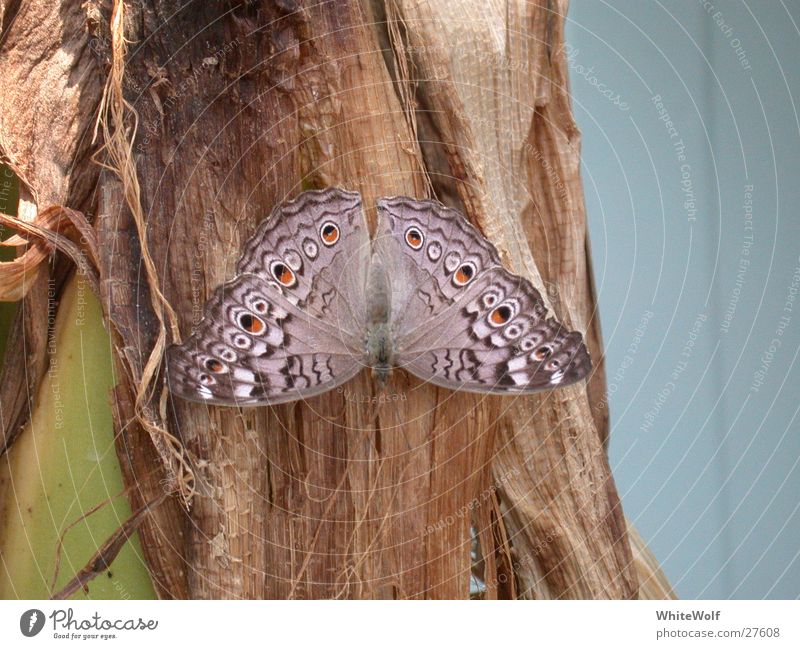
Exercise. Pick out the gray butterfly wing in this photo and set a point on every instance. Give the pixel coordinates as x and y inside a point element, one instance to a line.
<point>321,243</point>
<point>418,243</point>
<point>458,318</point>
<point>291,324</point>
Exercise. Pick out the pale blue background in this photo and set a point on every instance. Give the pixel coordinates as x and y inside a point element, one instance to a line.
<point>713,484</point>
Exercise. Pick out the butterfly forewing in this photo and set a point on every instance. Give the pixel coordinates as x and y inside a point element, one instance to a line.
<point>292,323</point>
<point>475,325</point>
<point>316,248</point>
<point>416,241</point>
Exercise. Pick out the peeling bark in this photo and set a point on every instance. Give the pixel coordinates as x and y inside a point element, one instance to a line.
<point>498,95</point>
<point>51,89</point>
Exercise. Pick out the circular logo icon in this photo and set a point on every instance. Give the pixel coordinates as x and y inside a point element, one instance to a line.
<point>31,622</point>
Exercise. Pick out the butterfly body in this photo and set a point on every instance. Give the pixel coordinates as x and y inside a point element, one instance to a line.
<point>315,300</point>
<point>379,352</point>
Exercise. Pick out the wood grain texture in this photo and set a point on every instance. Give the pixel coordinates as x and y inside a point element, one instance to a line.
<point>494,77</point>
<point>132,327</point>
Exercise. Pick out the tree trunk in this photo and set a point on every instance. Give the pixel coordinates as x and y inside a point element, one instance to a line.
<point>241,106</point>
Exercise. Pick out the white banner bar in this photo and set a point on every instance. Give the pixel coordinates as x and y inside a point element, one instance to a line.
<point>404,624</point>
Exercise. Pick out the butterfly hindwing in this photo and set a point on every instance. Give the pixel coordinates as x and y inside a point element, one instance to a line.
<point>505,343</point>
<point>254,347</point>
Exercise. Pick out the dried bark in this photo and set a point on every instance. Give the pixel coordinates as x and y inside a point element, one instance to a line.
<point>51,89</point>
<point>653,584</point>
<point>241,106</point>
<point>501,109</point>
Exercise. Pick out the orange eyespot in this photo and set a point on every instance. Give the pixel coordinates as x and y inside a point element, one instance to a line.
<point>542,353</point>
<point>260,306</point>
<point>283,274</point>
<point>329,233</point>
<point>464,274</point>
<point>414,238</point>
<point>214,365</point>
<point>501,315</point>
<point>251,324</point>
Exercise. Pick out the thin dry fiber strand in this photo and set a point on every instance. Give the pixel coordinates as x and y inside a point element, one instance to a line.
<point>106,554</point>
<point>403,79</point>
<point>17,275</point>
<point>115,109</point>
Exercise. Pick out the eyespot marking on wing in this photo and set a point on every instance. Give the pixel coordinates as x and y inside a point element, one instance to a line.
<point>553,365</point>
<point>513,331</point>
<point>283,274</point>
<point>490,298</point>
<point>240,341</point>
<point>451,261</point>
<point>414,237</point>
<point>225,353</point>
<point>310,248</point>
<point>329,233</point>
<point>215,366</point>
<point>464,274</point>
<point>251,323</point>
<point>501,315</point>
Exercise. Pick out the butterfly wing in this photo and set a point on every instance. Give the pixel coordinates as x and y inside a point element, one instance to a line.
<point>417,243</point>
<point>316,250</point>
<point>292,322</point>
<point>458,318</point>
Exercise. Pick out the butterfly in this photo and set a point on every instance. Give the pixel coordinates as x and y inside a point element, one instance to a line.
<point>315,300</point>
